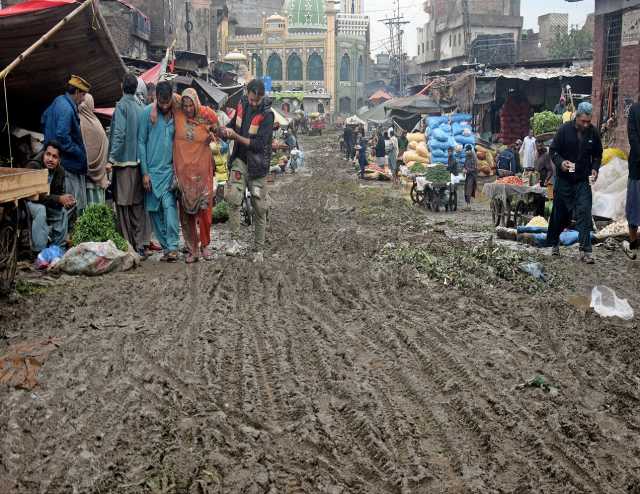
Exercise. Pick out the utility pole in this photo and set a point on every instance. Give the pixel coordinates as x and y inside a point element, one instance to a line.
<point>188,25</point>
<point>396,34</point>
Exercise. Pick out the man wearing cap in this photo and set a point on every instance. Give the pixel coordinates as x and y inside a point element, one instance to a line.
<point>61,123</point>
<point>576,152</point>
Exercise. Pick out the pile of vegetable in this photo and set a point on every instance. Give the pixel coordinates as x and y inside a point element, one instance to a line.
<point>221,212</point>
<point>437,174</point>
<point>545,122</point>
<point>513,180</point>
<point>514,120</point>
<point>98,224</point>
<point>417,168</point>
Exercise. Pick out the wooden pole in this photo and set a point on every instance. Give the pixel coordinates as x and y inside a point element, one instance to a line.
<point>45,37</point>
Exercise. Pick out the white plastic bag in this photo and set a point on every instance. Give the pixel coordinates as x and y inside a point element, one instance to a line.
<point>96,258</point>
<point>610,190</point>
<point>605,302</point>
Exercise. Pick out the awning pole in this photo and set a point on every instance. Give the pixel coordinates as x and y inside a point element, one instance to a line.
<point>45,37</point>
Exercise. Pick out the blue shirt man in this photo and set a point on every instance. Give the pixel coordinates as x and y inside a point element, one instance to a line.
<point>155,152</point>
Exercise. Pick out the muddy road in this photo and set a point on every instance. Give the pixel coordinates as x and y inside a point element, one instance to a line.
<point>370,353</point>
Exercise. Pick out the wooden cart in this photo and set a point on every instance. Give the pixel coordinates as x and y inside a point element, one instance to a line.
<point>16,186</point>
<point>513,205</point>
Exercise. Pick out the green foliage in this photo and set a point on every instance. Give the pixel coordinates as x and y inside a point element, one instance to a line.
<point>221,212</point>
<point>98,224</point>
<point>417,168</point>
<point>544,122</point>
<point>577,43</point>
<point>437,174</point>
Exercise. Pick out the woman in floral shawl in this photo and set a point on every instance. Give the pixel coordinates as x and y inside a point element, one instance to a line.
<point>196,128</point>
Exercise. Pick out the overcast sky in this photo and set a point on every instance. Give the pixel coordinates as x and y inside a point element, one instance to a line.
<point>412,10</point>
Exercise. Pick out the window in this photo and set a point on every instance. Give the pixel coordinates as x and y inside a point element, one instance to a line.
<point>459,38</point>
<point>344,105</point>
<point>294,68</point>
<point>274,67</point>
<point>345,68</point>
<point>450,40</point>
<point>423,48</point>
<point>360,69</point>
<point>315,68</point>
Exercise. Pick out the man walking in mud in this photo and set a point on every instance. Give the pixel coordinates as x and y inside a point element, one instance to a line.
<point>577,152</point>
<point>252,131</point>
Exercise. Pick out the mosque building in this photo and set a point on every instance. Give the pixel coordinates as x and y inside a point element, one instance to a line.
<point>313,55</point>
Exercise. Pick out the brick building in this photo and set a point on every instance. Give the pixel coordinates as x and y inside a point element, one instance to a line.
<point>616,62</point>
<point>129,28</point>
<point>460,30</point>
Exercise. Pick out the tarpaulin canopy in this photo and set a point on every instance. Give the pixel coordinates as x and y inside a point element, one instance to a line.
<point>82,46</point>
<point>152,75</point>
<point>354,120</point>
<point>280,118</point>
<point>377,114</point>
<point>417,104</point>
<point>380,95</point>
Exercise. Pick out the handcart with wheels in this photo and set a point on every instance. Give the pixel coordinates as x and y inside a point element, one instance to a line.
<point>434,196</point>
<point>514,205</point>
<point>16,186</point>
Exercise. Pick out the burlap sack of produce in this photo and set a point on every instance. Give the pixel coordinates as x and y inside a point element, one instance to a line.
<point>413,145</point>
<point>416,137</point>
<point>422,150</point>
<point>484,168</point>
<point>482,155</point>
<point>414,156</point>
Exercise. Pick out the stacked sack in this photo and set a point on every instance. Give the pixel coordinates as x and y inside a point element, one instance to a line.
<point>417,151</point>
<point>486,161</point>
<point>514,120</point>
<point>449,131</point>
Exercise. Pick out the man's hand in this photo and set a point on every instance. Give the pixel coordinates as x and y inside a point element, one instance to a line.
<point>67,201</point>
<point>594,176</point>
<point>566,165</point>
<point>231,134</point>
<point>146,182</point>
<point>108,167</point>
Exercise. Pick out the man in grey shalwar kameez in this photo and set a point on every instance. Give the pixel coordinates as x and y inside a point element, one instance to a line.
<point>128,192</point>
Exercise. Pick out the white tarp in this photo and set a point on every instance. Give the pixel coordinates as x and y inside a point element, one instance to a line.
<point>610,190</point>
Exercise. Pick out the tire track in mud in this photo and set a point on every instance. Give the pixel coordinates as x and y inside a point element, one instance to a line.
<point>441,357</point>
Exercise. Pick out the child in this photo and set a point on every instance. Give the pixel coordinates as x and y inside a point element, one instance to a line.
<point>362,155</point>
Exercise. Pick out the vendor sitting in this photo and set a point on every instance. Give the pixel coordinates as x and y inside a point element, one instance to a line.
<point>50,213</point>
<point>507,163</point>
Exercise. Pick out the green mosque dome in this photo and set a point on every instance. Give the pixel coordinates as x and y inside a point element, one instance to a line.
<point>306,14</point>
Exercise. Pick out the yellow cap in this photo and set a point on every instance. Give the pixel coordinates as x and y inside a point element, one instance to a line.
<point>79,83</point>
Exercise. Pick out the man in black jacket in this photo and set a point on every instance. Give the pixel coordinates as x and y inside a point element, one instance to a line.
<point>633,185</point>
<point>576,152</point>
<point>49,214</point>
<point>252,132</point>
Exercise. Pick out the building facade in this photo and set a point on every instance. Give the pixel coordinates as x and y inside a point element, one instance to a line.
<point>306,48</point>
<point>460,31</point>
<point>616,58</point>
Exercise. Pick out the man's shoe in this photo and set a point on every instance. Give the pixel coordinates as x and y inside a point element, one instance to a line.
<point>587,258</point>
<point>631,253</point>
<point>258,257</point>
<point>235,248</point>
<point>555,251</point>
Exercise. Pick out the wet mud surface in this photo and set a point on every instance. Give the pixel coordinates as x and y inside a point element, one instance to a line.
<point>328,368</point>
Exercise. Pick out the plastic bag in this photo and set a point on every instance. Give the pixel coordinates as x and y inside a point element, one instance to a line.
<point>96,258</point>
<point>610,190</point>
<point>605,302</point>
<point>49,256</point>
<point>440,135</point>
<point>535,269</point>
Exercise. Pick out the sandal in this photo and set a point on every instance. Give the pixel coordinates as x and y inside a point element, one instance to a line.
<point>170,256</point>
<point>191,259</point>
<point>207,255</point>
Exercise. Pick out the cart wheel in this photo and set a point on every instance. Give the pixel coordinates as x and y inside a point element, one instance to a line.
<point>417,196</point>
<point>496,211</point>
<point>8,250</point>
<point>453,200</point>
<point>435,202</point>
<point>520,214</point>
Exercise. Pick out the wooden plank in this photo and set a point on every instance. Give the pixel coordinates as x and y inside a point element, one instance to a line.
<point>19,183</point>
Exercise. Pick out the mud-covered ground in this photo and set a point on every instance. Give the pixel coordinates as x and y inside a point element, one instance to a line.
<point>373,351</point>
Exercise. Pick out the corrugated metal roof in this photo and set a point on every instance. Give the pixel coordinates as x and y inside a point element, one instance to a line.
<point>525,73</point>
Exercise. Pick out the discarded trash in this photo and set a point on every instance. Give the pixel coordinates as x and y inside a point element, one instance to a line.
<point>19,367</point>
<point>49,256</point>
<point>535,269</point>
<point>605,302</point>
<point>539,382</point>
<point>95,258</point>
